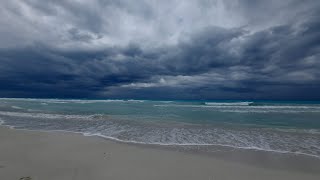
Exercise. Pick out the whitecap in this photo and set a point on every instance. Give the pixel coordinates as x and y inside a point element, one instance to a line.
<point>228,103</point>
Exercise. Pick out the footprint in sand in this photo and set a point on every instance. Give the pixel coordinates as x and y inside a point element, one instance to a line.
<point>26,178</point>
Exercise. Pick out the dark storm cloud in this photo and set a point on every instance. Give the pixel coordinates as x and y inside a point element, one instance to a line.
<point>72,49</point>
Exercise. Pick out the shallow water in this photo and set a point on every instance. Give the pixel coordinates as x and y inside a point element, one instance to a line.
<point>290,127</point>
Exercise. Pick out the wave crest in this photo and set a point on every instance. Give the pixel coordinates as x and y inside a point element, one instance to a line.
<point>228,103</point>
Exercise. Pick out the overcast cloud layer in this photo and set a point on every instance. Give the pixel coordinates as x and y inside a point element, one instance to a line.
<point>196,49</point>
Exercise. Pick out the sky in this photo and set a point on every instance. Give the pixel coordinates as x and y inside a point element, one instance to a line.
<point>160,49</point>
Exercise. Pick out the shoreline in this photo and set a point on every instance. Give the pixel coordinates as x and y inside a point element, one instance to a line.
<point>167,145</point>
<point>54,149</point>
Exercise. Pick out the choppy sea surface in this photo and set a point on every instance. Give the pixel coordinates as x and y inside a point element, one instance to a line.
<point>284,127</point>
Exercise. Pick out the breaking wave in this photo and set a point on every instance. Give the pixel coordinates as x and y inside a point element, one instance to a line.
<point>228,103</point>
<point>166,133</point>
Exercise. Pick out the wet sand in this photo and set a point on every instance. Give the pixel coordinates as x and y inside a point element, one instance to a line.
<point>70,156</point>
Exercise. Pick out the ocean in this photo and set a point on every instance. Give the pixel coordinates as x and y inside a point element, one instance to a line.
<point>277,126</point>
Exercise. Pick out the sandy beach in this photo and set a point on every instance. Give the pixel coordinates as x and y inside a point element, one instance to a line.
<point>70,156</point>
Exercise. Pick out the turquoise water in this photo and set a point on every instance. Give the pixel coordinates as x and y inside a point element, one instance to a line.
<point>287,127</point>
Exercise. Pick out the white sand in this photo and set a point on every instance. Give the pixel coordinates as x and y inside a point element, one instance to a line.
<point>69,156</point>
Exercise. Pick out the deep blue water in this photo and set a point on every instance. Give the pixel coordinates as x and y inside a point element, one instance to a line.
<point>280,126</point>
